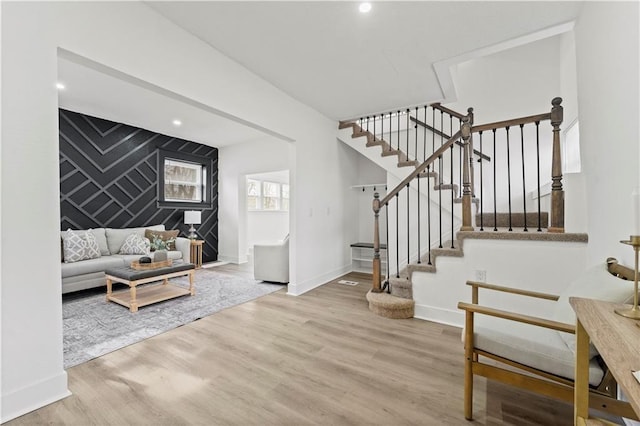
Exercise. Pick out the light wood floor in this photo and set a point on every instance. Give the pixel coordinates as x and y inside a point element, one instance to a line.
<point>321,358</point>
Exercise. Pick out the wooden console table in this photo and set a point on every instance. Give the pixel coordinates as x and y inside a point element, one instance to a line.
<point>618,341</point>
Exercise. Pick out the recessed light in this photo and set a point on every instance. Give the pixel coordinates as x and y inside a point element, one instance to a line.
<point>60,86</point>
<point>365,7</point>
<point>177,123</point>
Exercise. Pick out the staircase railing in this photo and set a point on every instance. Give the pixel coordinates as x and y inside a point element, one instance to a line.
<point>427,169</point>
<point>527,128</point>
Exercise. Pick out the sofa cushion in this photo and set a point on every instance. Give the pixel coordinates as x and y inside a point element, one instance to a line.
<point>79,246</point>
<point>162,239</point>
<point>595,283</point>
<point>91,266</point>
<point>135,244</point>
<point>537,347</point>
<point>116,237</point>
<point>101,238</point>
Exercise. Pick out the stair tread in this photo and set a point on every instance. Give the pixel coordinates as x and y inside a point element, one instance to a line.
<point>428,175</point>
<point>532,235</point>
<point>346,124</point>
<point>422,267</point>
<point>473,200</point>
<point>390,306</point>
<point>446,187</point>
<point>375,142</point>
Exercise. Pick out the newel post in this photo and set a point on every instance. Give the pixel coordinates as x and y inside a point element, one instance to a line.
<point>466,174</point>
<point>377,277</point>
<point>471,172</point>
<point>557,193</point>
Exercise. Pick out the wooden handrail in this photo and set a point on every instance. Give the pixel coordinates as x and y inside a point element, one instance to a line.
<point>447,110</point>
<point>511,123</point>
<point>402,110</point>
<point>444,135</point>
<point>438,152</point>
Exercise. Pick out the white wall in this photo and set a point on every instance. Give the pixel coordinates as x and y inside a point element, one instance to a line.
<point>134,40</point>
<point>533,265</point>
<point>606,37</point>
<point>266,226</point>
<point>368,173</point>
<point>512,83</point>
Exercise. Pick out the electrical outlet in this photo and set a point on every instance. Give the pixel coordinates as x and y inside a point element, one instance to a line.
<point>481,275</point>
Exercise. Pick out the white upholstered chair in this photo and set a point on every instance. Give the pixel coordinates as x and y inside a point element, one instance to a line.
<point>271,261</point>
<point>538,354</point>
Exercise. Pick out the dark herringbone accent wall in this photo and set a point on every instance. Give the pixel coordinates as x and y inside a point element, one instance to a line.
<point>108,178</point>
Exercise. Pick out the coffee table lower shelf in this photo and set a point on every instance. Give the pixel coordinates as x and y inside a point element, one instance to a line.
<point>148,295</point>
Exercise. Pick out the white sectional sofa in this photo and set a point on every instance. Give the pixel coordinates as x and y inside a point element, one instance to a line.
<point>90,273</point>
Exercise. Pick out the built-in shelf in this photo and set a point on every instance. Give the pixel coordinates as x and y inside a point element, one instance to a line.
<point>362,257</point>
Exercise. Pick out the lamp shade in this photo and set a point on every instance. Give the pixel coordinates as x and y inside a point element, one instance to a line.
<point>192,217</point>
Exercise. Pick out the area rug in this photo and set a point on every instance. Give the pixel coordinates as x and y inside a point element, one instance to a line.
<point>93,327</point>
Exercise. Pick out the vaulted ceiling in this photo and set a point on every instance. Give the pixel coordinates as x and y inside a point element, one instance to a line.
<point>344,63</point>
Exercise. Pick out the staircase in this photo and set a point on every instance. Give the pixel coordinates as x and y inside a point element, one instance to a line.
<point>443,176</point>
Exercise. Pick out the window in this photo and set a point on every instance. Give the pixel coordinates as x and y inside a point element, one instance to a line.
<point>265,195</point>
<point>254,192</point>
<point>285,196</point>
<point>271,197</point>
<point>183,180</point>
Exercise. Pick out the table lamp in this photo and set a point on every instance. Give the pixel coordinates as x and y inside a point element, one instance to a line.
<point>192,217</point>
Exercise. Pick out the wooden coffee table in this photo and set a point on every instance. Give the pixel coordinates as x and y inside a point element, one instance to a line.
<point>135,298</point>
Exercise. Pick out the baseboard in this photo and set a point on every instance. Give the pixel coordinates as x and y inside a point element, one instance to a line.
<point>307,285</point>
<point>34,396</point>
<point>232,259</point>
<point>439,315</point>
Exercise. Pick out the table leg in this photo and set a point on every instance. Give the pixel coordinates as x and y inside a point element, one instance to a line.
<point>192,289</point>
<point>581,386</point>
<point>109,288</point>
<point>133,304</point>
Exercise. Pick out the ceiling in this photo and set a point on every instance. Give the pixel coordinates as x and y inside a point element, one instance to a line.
<point>97,91</point>
<point>327,55</point>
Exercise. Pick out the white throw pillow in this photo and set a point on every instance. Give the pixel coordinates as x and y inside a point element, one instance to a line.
<point>594,283</point>
<point>93,249</point>
<point>80,245</point>
<point>135,244</point>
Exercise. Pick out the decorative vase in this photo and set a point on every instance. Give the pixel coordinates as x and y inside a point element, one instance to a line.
<point>160,256</point>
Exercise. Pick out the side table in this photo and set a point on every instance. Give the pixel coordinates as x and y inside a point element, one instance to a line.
<point>196,253</point>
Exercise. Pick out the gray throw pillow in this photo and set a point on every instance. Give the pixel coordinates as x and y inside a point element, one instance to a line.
<point>135,244</point>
